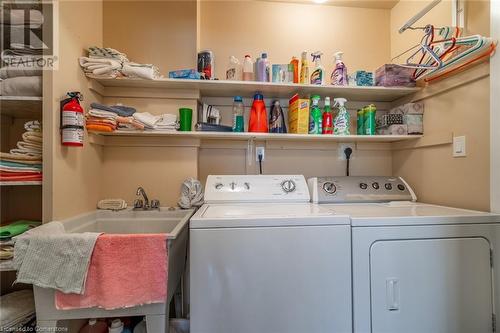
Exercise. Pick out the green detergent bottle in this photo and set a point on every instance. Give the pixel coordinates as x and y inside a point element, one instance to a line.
<point>315,116</point>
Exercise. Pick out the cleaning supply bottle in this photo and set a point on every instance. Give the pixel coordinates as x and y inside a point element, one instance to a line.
<point>327,118</point>
<point>248,68</point>
<point>263,68</point>
<point>277,119</point>
<point>116,326</point>
<point>258,115</point>
<point>315,116</point>
<point>339,74</point>
<point>295,63</point>
<point>234,70</point>
<point>317,75</point>
<point>370,125</point>
<point>238,114</point>
<point>342,122</point>
<point>304,69</point>
<point>94,326</point>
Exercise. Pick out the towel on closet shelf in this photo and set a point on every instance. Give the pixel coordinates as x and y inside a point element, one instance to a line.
<point>32,136</point>
<point>33,126</point>
<point>100,66</point>
<point>17,18</point>
<point>143,71</point>
<point>18,308</point>
<point>19,158</point>
<point>161,122</point>
<point>121,110</point>
<point>12,71</point>
<point>124,271</point>
<point>100,128</point>
<point>107,52</point>
<point>21,86</point>
<point>48,257</point>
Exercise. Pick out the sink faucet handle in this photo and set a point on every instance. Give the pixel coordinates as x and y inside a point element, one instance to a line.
<point>155,204</point>
<point>138,203</point>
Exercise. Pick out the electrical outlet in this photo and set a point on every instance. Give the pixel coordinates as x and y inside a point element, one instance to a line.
<point>342,147</point>
<point>260,151</point>
<point>459,146</point>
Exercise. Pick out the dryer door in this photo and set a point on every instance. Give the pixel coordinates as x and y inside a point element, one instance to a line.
<point>431,286</point>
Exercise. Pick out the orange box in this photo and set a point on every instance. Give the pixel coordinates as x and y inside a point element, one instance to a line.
<point>298,115</point>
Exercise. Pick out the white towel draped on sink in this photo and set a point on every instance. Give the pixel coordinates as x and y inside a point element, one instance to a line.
<point>48,257</point>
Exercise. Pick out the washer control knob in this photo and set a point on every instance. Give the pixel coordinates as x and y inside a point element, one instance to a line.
<point>218,186</point>
<point>288,186</point>
<point>247,185</point>
<point>233,185</point>
<point>363,186</point>
<point>375,185</point>
<point>329,187</point>
<point>388,186</point>
<point>401,187</point>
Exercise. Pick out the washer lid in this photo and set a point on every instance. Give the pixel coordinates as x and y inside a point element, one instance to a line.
<point>264,215</point>
<point>409,213</point>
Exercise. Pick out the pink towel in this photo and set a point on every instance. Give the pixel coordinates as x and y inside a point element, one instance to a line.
<point>124,271</point>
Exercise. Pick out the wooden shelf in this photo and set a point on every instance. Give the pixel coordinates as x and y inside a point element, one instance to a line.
<point>21,106</point>
<point>103,138</point>
<point>21,183</point>
<point>220,88</point>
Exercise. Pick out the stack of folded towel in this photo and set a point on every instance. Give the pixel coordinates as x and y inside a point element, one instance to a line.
<point>19,76</point>
<point>24,163</point>
<point>110,63</point>
<point>164,122</point>
<point>103,118</point>
<point>18,310</point>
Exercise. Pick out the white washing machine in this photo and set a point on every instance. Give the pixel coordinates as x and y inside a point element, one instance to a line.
<point>263,259</point>
<point>417,268</point>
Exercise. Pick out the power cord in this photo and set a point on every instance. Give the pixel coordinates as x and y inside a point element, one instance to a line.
<point>347,153</point>
<point>260,163</point>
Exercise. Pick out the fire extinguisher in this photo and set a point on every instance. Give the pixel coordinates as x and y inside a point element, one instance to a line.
<point>72,120</point>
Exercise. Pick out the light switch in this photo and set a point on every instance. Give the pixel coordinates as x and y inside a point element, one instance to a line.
<point>459,146</point>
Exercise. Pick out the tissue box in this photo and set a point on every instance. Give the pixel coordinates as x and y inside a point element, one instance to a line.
<point>282,73</point>
<point>298,115</point>
<point>363,78</point>
<point>392,75</point>
<point>184,74</point>
<point>413,116</point>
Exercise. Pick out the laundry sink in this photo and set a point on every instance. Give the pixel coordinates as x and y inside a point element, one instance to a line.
<point>174,222</point>
<point>129,221</point>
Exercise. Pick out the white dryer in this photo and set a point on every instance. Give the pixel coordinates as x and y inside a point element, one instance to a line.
<point>417,268</point>
<point>264,259</point>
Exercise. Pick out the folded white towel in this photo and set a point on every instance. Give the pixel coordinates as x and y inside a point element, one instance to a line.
<point>146,118</point>
<point>102,114</point>
<point>17,17</point>
<point>21,86</point>
<point>52,258</point>
<point>33,126</point>
<point>143,71</point>
<point>100,66</point>
<point>16,306</point>
<point>11,71</point>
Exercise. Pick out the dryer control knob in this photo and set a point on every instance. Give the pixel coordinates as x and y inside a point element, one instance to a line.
<point>329,187</point>
<point>288,186</point>
<point>218,186</point>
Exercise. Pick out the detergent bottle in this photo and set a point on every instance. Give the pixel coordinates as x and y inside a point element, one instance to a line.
<point>238,114</point>
<point>277,119</point>
<point>248,68</point>
<point>258,115</point>
<point>342,122</point>
<point>315,116</point>
<point>327,118</point>
<point>304,69</point>
<point>263,68</point>
<point>94,326</point>
<point>317,75</point>
<point>339,74</point>
<point>295,64</point>
<point>234,69</point>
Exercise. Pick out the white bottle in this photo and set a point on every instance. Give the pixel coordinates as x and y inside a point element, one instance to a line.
<point>116,326</point>
<point>248,69</point>
<point>234,70</point>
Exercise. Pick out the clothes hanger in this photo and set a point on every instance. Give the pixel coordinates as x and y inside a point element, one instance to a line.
<point>424,49</point>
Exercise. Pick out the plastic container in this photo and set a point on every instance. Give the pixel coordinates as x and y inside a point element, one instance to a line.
<point>238,115</point>
<point>178,325</point>
<point>315,116</point>
<point>304,69</point>
<point>317,75</point>
<point>360,125</point>
<point>342,122</point>
<point>339,74</point>
<point>263,68</point>
<point>116,326</point>
<point>370,125</point>
<point>258,115</point>
<point>234,69</point>
<point>295,65</point>
<point>248,68</point>
<point>94,326</point>
<point>277,119</point>
<point>186,119</point>
<point>327,118</point>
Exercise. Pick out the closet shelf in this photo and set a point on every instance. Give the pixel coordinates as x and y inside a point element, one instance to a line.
<point>6,266</point>
<point>21,183</point>
<point>21,106</point>
<point>102,138</point>
<point>222,88</point>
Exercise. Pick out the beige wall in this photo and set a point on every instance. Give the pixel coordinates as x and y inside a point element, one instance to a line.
<point>286,29</point>
<point>158,32</point>
<point>72,176</point>
<point>435,174</point>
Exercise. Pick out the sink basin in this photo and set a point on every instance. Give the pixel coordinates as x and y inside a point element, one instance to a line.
<point>129,221</point>
<point>174,222</point>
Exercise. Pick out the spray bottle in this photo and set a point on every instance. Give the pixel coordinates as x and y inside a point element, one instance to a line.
<point>327,118</point>
<point>339,74</point>
<point>342,122</point>
<point>304,69</point>
<point>315,116</point>
<point>317,75</point>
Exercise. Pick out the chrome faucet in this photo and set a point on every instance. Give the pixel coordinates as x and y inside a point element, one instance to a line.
<point>144,203</point>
